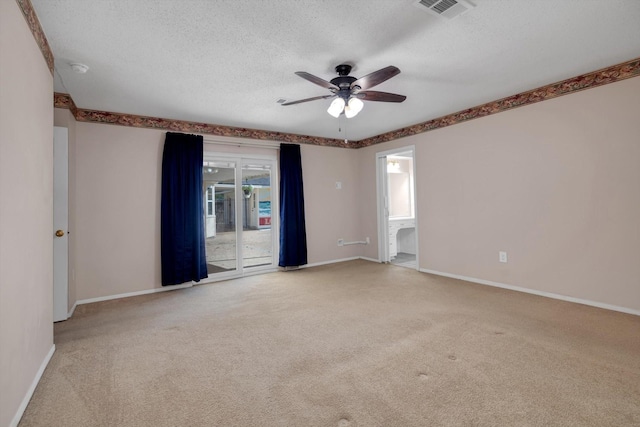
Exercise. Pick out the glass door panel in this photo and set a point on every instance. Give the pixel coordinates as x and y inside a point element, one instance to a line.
<point>219,182</point>
<point>257,236</point>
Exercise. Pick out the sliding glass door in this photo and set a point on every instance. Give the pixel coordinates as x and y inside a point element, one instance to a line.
<point>219,180</point>
<point>239,214</point>
<point>257,238</point>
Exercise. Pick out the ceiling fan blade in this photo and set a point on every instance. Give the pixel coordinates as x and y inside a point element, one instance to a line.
<point>308,99</point>
<point>317,80</point>
<point>372,95</point>
<point>375,78</point>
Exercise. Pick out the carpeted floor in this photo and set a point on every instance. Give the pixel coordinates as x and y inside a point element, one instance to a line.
<point>349,344</point>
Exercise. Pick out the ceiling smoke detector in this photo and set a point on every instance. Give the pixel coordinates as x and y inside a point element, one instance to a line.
<point>448,9</point>
<point>79,68</point>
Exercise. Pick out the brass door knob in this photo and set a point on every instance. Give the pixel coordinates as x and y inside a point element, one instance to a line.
<point>59,233</point>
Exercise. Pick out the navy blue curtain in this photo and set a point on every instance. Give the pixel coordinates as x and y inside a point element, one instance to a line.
<point>182,219</point>
<point>293,234</point>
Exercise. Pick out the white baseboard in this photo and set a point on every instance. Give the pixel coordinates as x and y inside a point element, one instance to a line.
<point>333,261</point>
<point>188,285</point>
<point>72,310</point>
<point>535,292</point>
<point>32,388</point>
<point>133,294</point>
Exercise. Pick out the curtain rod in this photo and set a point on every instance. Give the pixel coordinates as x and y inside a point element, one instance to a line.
<point>238,142</point>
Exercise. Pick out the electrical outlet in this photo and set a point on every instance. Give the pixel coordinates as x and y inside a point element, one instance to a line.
<point>502,256</point>
<point>338,185</point>
<point>368,240</point>
<point>340,242</point>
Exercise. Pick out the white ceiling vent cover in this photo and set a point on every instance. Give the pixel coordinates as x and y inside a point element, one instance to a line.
<point>448,9</point>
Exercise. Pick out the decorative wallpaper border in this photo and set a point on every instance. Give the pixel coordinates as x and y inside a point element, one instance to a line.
<point>132,120</point>
<point>586,81</point>
<point>63,100</point>
<point>38,34</point>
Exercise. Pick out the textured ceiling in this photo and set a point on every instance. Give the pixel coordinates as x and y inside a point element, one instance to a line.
<point>228,62</point>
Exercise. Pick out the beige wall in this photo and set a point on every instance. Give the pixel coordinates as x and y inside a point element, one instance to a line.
<point>117,209</point>
<point>330,213</point>
<point>64,118</point>
<point>26,210</point>
<point>555,184</point>
<point>117,184</point>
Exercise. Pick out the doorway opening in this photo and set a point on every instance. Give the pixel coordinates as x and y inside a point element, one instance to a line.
<point>397,219</point>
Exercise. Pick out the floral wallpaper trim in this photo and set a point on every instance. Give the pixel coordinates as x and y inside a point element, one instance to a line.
<point>93,116</point>
<point>63,100</point>
<point>586,81</point>
<point>34,25</point>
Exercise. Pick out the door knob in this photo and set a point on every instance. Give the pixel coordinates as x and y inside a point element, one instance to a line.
<point>59,233</point>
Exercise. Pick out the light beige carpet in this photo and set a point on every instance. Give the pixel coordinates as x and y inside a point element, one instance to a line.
<point>349,344</point>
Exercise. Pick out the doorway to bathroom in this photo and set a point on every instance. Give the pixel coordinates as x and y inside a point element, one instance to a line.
<point>397,220</point>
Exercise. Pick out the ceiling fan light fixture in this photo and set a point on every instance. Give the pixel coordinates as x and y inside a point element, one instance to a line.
<point>353,107</point>
<point>336,107</point>
<point>349,92</point>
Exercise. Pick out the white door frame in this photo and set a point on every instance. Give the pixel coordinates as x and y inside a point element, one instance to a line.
<point>382,193</point>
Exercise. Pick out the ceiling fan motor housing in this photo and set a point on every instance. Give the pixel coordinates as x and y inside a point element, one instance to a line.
<point>344,81</point>
<point>343,69</point>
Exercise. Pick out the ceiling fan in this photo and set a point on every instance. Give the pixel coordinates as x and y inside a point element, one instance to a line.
<point>349,91</point>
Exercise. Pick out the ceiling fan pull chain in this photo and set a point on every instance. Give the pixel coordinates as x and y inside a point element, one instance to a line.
<point>346,141</point>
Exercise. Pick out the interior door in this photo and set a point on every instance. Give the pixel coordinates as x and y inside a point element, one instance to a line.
<point>60,223</point>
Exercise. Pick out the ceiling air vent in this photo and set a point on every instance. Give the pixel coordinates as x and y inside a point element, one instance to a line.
<point>444,8</point>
